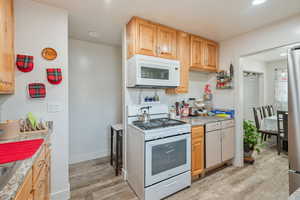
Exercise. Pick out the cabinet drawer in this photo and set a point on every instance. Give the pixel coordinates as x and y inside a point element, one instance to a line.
<point>38,165</point>
<point>197,131</point>
<point>25,191</point>
<point>213,126</point>
<point>227,123</point>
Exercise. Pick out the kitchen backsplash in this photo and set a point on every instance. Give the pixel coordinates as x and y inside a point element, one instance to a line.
<point>196,89</point>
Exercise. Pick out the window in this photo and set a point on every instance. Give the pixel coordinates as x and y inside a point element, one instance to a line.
<point>281,89</point>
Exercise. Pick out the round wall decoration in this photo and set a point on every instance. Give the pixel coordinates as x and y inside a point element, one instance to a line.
<point>49,53</point>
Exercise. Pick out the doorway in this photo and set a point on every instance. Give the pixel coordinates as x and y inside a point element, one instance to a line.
<point>252,91</point>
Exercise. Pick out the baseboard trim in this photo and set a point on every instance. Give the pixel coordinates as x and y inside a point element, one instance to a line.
<point>87,156</point>
<point>61,195</point>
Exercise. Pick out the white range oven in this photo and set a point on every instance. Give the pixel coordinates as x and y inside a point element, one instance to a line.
<point>158,155</point>
<point>167,157</point>
<point>152,72</point>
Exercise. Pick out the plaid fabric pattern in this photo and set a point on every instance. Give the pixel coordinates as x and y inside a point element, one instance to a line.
<point>37,90</point>
<point>54,75</point>
<point>24,63</point>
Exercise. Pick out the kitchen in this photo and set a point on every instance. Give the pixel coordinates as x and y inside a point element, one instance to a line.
<point>210,142</point>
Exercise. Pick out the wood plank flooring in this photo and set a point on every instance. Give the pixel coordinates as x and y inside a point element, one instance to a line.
<point>267,179</point>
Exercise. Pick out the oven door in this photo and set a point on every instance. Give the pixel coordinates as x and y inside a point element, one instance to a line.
<point>168,157</point>
<point>157,74</point>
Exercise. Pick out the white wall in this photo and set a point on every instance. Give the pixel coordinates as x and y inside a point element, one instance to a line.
<point>94,96</point>
<point>39,26</point>
<point>276,35</point>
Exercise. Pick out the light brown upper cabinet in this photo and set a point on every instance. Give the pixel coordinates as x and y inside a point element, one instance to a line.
<point>148,38</point>
<point>166,42</point>
<point>7,67</point>
<point>211,55</point>
<point>197,53</point>
<point>204,54</point>
<point>183,55</point>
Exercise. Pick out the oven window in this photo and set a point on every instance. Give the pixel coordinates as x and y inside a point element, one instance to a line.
<point>154,73</point>
<point>168,156</point>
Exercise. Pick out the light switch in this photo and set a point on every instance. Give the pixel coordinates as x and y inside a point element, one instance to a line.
<point>54,107</point>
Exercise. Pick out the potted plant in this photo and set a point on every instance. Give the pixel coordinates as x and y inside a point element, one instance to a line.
<point>251,139</point>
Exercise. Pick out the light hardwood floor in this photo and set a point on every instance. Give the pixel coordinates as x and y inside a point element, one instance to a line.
<point>267,179</point>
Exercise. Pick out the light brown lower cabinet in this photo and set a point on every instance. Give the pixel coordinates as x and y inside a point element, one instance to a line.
<point>37,182</point>
<point>197,150</point>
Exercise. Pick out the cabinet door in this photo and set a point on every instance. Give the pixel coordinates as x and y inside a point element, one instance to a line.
<point>39,186</point>
<point>166,42</point>
<point>213,148</point>
<point>227,143</point>
<point>146,37</point>
<point>197,157</point>
<point>7,73</point>
<point>25,191</point>
<point>197,150</point>
<point>183,55</point>
<point>211,56</point>
<point>197,53</point>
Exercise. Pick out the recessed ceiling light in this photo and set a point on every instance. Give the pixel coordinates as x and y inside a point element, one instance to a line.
<point>258,2</point>
<point>93,34</point>
<point>283,54</point>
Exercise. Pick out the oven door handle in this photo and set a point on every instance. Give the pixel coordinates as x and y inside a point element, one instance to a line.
<point>170,151</point>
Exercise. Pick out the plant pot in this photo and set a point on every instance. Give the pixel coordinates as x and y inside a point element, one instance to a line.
<point>248,154</point>
<point>248,151</point>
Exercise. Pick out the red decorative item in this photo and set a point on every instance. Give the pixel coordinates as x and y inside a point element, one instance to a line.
<point>14,151</point>
<point>24,63</point>
<point>54,76</point>
<point>37,90</point>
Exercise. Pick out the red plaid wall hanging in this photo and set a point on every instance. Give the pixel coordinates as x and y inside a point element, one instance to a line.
<point>24,63</point>
<point>54,75</point>
<point>37,90</point>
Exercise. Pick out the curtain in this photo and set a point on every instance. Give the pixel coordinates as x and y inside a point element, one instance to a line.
<point>281,89</point>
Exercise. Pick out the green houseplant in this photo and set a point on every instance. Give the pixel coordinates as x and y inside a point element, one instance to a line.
<point>251,138</point>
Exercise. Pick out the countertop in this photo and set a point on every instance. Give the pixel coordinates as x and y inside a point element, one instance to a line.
<point>199,121</point>
<point>295,195</point>
<point>9,191</point>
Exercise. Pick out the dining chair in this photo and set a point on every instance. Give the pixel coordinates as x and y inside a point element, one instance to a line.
<point>269,110</point>
<point>264,133</point>
<point>282,123</point>
<point>272,110</point>
<point>264,111</point>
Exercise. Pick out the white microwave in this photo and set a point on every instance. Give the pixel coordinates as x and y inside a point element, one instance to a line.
<point>152,72</point>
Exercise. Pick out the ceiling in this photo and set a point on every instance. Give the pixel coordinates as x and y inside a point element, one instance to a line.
<point>214,19</point>
<point>270,55</point>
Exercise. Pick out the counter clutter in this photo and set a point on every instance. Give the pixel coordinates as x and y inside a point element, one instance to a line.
<point>10,190</point>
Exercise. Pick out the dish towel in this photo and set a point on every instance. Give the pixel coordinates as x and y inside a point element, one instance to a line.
<point>14,151</point>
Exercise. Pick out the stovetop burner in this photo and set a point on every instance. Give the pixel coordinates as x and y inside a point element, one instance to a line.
<point>157,123</point>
